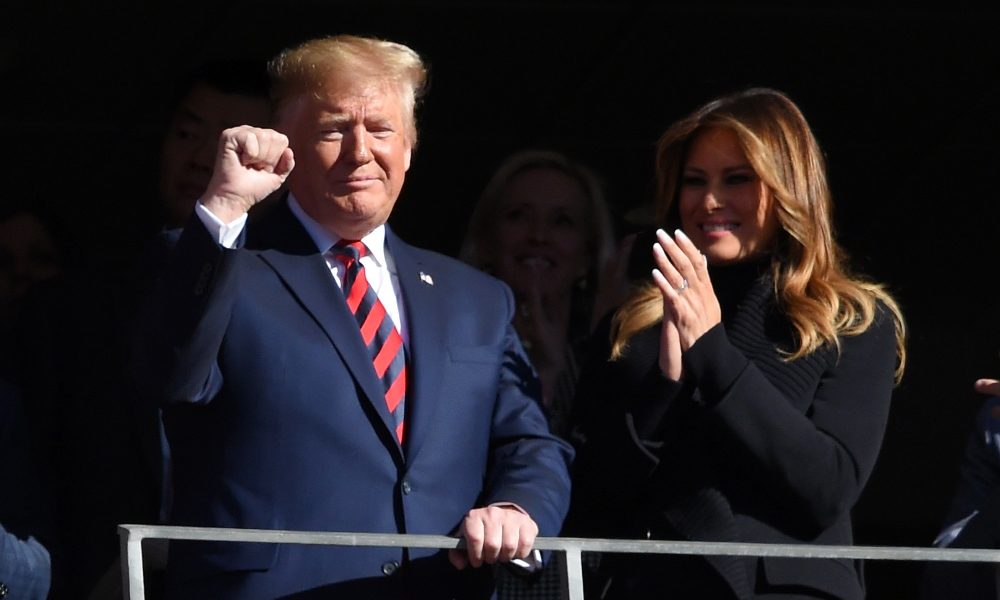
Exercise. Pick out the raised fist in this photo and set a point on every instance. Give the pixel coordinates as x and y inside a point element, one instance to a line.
<point>251,163</point>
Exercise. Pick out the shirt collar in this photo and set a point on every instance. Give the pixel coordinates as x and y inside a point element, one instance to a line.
<point>374,241</point>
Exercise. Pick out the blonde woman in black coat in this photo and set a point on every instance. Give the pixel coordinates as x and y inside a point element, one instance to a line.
<point>749,382</point>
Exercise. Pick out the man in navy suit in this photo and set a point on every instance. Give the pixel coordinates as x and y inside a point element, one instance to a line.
<point>273,409</point>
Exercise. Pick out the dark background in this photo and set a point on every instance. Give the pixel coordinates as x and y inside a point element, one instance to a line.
<point>903,100</point>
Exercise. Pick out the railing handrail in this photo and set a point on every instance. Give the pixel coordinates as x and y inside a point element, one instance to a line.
<point>132,536</point>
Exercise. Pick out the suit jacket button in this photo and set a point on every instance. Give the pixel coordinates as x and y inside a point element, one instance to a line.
<point>406,487</point>
<point>388,568</point>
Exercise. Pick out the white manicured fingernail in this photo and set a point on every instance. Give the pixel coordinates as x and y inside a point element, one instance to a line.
<point>680,234</point>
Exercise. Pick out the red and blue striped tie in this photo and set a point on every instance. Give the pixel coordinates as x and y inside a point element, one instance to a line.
<point>378,332</point>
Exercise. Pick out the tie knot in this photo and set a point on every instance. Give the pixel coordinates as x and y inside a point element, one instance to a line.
<point>349,250</point>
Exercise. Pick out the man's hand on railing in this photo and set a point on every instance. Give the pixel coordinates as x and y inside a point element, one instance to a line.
<point>496,533</point>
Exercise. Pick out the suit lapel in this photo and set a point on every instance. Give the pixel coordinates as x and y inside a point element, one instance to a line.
<point>293,255</point>
<point>427,354</point>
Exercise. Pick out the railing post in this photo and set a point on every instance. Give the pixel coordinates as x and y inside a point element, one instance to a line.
<point>133,584</point>
<point>572,575</point>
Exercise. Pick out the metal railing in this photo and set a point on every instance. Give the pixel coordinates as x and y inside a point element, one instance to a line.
<point>131,537</point>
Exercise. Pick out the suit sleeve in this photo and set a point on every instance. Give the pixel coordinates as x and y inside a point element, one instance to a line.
<point>813,464</point>
<point>529,466</point>
<point>979,476</point>
<point>184,319</point>
<point>25,563</point>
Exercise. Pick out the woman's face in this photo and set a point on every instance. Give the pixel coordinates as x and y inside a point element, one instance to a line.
<point>541,232</point>
<point>724,206</point>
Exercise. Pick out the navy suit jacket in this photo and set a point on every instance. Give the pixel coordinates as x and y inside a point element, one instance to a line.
<point>26,527</point>
<point>276,419</point>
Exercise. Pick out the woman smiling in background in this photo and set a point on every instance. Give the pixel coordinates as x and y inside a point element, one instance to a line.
<point>542,226</point>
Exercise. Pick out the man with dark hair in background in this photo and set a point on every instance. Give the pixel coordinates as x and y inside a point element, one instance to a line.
<point>104,449</point>
<point>214,97</point>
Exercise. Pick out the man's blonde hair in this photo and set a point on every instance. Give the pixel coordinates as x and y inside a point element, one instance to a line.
<point>308,67</point>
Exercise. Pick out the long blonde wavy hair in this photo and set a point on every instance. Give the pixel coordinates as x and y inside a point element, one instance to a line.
<point>822,299</point>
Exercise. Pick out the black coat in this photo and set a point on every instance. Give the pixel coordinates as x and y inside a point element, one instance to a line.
<point>750,448</point>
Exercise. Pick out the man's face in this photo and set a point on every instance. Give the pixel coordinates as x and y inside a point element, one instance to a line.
<point>351,154</point>
<point>188,152</point>
<point>28,254</point>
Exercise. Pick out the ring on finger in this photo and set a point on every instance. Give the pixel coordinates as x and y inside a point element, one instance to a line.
<point>683,286</point>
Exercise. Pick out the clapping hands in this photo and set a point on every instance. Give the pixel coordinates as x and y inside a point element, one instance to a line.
<point>690,307</point>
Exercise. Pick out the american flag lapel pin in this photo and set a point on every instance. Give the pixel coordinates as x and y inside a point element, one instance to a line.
<point>426,278</point>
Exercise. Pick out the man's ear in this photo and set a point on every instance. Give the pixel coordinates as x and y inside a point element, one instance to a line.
<point>407,155</point>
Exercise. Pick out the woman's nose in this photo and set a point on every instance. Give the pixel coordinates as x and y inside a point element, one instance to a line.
<point>539,230</point>
<point>713,199</point>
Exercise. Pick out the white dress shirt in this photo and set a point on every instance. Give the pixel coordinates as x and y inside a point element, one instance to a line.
<point>380,270</point>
